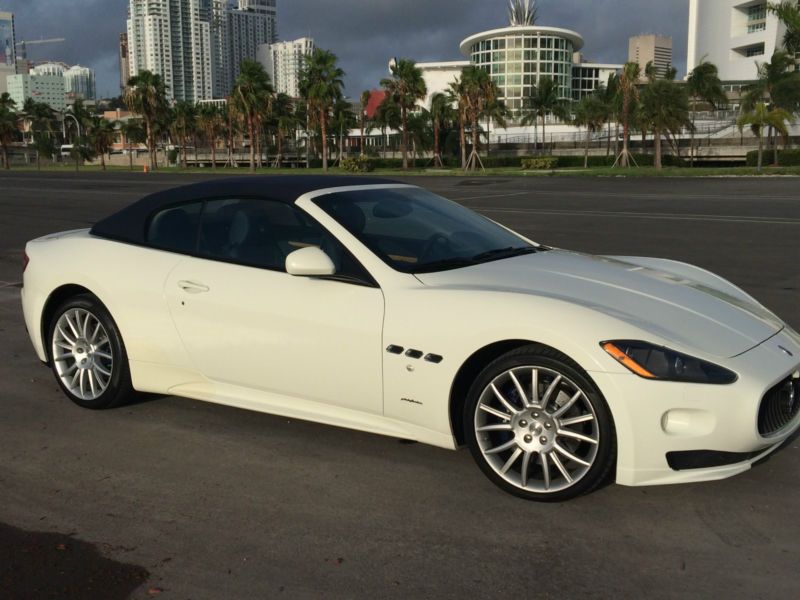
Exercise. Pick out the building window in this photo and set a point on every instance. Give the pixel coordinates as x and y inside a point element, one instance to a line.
<point>757,12</point>
<point>755,28</point>
<point>757,50</point>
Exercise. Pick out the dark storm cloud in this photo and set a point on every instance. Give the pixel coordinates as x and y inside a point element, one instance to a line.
<point>91,28</point>
<point>365,34</point>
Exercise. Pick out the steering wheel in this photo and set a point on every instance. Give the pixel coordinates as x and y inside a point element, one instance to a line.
<point>435,242</point>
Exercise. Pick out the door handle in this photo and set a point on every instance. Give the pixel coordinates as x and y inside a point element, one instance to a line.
<point>192,287</point>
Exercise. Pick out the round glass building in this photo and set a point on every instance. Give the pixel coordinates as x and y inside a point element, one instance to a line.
<point>518,57</point>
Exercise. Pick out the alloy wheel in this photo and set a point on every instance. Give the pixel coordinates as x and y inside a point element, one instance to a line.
<point>537,429</point>
<point>82,354</point>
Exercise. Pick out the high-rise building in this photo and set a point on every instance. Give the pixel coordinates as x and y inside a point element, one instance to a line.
<point>47,89</point>
<point>220,48</point>
<point>124,65</point>
<point>644,49</point>
<point>284,62</point>
<point>237,34</point>
<point>173,39</point>
<point>8,59</point>
<point>56,69</point>
<point>79,82</point>
<point>734,35</point>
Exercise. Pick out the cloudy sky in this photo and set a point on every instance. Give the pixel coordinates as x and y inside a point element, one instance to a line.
<point>365,34</point>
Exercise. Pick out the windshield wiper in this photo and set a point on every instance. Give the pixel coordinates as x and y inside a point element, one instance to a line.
<point>457,263</point>
<point>445,265</point>
<point>502,253</point>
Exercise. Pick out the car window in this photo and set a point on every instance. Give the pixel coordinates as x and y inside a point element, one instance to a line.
<point>262,233</point>
<point>175,229</point>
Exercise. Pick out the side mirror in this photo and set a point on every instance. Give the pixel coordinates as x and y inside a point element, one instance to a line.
<point>309,262</point>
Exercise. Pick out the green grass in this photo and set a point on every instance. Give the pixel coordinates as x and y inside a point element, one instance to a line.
<point>502,172</point>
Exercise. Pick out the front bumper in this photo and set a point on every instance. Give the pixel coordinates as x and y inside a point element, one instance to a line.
<point>659,421</point>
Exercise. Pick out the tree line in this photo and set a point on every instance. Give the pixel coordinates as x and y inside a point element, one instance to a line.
<point>452,122</point>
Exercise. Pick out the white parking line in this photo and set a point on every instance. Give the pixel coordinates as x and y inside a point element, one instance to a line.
<point>492,196</point>
<point>647,216</point>
<point>76,191</point>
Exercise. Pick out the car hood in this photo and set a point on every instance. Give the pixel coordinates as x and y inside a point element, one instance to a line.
<point>679,303</point>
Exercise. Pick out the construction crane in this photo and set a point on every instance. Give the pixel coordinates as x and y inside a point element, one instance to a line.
<point>24,45</point>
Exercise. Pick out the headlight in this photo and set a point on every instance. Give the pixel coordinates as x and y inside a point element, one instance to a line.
<point>662,364</point>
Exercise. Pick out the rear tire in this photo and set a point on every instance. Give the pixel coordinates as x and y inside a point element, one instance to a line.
<point>87,354</point>
<point>538,427</point>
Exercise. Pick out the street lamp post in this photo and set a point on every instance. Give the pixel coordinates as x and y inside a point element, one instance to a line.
<point>77,140</point>
<point>77,123</point>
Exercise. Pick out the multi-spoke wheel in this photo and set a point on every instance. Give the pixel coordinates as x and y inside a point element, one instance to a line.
<point>538,427</point>
<point>87,354</point>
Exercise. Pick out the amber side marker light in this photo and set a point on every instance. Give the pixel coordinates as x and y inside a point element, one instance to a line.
<point>627,361</point>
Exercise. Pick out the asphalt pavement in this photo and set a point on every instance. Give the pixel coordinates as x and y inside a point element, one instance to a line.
<point>173,498</point>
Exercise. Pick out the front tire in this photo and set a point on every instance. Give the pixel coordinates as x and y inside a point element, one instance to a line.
<point>538,427</point>
<point>87,354</point>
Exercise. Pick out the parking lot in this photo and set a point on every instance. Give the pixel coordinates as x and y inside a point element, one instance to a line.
<point>181,499</point>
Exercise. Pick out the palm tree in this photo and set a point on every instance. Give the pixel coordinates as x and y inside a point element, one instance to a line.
<point>146,95</point>
<point>321,84</point>
<point>759,118</point>
<point>39,117</point>
<point>211,123</point>
<point>9,128</point>
<point>366,96</point>
<point>184,119</point>
<point>283,112</point>
<point>406,87</point>
<point>133,133</point>
<point>664,108</point>
<point>630,94</point>
<point>777,85</point>
<point>456,95</point>
<point>343,119</point>
<point>265,124</point>
<point>612,100</point>
<point>28,108</point>
<point>772,76</point>
<point>45,147</point>
<point>704,85</point>
<point>789,14</point>
<point>591,112</point>
<point>441,112</point>
<point>387,117</point>
<point>420,132</point>
<point>100,134</point>
<point>498,113</point>
<point>251,94</point>
<point>545,100</point>
<point>479,91</point>
<point>81,151</point>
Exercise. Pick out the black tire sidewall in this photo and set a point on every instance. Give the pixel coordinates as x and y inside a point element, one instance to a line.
<point>119,387</point>
<point>606,452</point>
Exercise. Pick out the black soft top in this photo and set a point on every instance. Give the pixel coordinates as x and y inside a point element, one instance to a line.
<point>129,224</point>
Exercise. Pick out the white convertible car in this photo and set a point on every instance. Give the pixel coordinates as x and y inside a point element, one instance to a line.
<point>379,306</point>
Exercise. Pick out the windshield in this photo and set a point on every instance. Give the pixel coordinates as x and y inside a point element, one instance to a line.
<point>415,231</point>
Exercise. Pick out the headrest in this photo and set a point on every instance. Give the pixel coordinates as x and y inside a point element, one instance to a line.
<point>240,227</point>
<point>350,216</point>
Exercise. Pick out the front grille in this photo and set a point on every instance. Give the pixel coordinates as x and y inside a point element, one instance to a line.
<point>779,406</point>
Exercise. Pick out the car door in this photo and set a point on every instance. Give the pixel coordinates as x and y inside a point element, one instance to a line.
<point>244,321</point>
